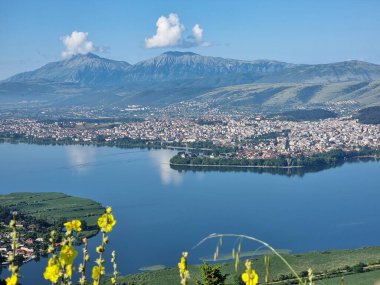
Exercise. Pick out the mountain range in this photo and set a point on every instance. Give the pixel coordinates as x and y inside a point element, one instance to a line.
<point>174,77</point>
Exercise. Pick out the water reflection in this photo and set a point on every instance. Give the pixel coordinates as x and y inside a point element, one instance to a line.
<point>80,157</point>
<point>168,175</point>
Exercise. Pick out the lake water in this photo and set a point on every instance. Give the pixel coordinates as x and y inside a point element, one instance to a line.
<point>162,212</point>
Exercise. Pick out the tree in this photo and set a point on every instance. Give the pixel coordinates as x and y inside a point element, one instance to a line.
<point>211,275</point>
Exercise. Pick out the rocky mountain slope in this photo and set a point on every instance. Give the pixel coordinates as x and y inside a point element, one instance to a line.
<point>174,77</point>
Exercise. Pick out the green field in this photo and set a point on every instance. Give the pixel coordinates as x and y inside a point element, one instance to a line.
<point>55,207</point>
<point>367,278</point>
<point>320,262</point>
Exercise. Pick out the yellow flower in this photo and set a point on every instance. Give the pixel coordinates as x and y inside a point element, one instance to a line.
<point>12,280</point>
<point>67,255</point>
<point>250,277</point>
<point>97,272</point>
<point>107,221</point>
<point>52,271</point>
<point>183,272</point>
<point>183,264</point>
<point>69,270</point>
<point>74,225</point>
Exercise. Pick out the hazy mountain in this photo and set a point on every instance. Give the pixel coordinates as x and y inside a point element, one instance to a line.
<point>274,97</point>
<point>88,69</point>
<point>182,68</point>
<point>171,66</point>
<point>352,70</point>
<point>184,76</point>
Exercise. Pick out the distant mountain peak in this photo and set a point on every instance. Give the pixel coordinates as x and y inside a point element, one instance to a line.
<point>179,53</point>
<point>86,55</point>
<point>85,69</point>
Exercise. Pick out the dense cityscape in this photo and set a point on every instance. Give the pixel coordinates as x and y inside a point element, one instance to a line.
<point>254,137</point>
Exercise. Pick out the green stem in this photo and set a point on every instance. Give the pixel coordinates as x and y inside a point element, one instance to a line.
<point>101,256</point>
<point>85,253</point>
<point>256,240</point>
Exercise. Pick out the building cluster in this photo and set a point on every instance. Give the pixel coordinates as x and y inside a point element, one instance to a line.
<point>28,248</point>
<point>248,134</point>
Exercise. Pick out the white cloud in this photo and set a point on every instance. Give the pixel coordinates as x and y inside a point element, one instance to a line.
<point>198,33</point>
<point>170,34</point>
<point>76,43</point>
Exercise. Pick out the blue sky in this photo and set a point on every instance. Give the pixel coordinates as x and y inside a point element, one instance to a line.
<point>298,31</point>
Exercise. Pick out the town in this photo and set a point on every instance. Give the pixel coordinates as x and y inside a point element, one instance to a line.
<point>252,137</point>
<point>30,245</point>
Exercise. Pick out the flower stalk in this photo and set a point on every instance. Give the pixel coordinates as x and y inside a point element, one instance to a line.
<point>13,266</point>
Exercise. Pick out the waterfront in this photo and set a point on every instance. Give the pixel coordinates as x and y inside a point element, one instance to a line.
<point>161,211</point>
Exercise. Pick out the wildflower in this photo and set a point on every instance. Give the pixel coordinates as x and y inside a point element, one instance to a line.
<point>107,221</point>
<point>183,271</point>
<point>52,271</point>
<point>12,280</point>
<point>115,273</point>
<point>13,268</point>
<point>82,266</point>
<point>97,271</point>
<point>67,255</point>
<point>310,276</point>
<point>249,276</point>
<point>74,225</point>
<point>183,264</point>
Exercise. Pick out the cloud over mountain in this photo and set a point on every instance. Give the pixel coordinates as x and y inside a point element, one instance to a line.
<point>76,43</point>
<point>170,32</point>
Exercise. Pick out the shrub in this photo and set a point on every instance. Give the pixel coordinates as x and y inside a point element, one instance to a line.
<point>211,275</point>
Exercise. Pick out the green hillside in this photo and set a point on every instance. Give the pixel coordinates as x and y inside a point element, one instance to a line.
<point>331,264</point>
<point>284,96</point>
<point>55,207</point>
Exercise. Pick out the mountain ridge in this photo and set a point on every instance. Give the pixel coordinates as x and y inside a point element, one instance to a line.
<point>174,77</point>
<point>88,69</point>
<point>91,69</point>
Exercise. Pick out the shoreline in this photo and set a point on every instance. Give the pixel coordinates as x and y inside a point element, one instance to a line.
<point>343,160</point>
<point>236,166</point>
<point>371,157</point>
<point>155,145</point>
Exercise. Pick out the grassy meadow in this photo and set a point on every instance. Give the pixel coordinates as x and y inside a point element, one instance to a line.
<point>331,263</point>
<point>55,207</point>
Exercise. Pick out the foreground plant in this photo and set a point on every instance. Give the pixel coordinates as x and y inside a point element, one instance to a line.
<point>212,275</point>
<point>106,223</point>
<point>59,269</point>
<point>60,266</point>
<point>82,266</point>
<point>114,265</point>
<point>184,273</point>
<point>249,276</point>
<point>267,267</point>
<point>13,267</point>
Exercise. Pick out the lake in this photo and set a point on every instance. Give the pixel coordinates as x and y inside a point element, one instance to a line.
<point>161,212</point>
